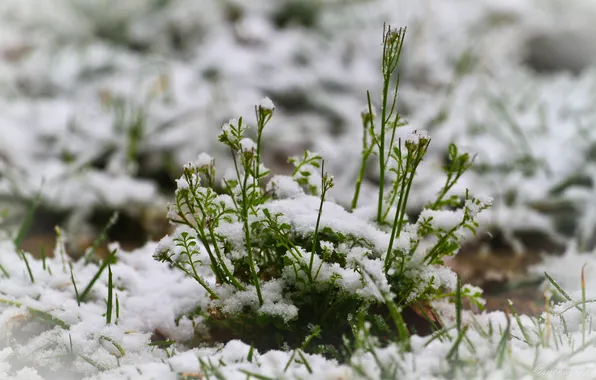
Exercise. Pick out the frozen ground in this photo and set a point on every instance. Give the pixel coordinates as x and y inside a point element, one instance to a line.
<point>98,101</point>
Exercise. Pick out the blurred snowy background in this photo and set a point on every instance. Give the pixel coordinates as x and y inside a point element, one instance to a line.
<point>102,102</point>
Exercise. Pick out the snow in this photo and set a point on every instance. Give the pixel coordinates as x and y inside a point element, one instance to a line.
<point>284,187</point>
<point>566,270</point>
<point>248,145</point>
<point>266,104</point>
<point>301,213</point>
<point>71,90</point>
<point>182,184</point>
<point>204,160</point>
<point>443,219</point>
<point>417,137</point>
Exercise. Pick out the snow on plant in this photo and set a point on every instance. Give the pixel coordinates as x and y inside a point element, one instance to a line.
<point>280,253</point>
<point>535,148</point>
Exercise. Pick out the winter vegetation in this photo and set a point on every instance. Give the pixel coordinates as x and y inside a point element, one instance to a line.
<point>279,189</point>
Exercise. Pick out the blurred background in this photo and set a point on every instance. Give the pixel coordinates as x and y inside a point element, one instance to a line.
<point>102,102</point>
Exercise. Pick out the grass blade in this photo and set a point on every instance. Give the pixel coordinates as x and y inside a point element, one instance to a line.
<point>518,320</point>
<point>26,225</point>
<point>24,257</point>
<point>118,347</point>
<point>559,289</point>
<point>110,295</point>
<point>4,272</point>
<point>101,238</point>
<point>503,344</point>
<point>583,287</point>
<point>38,314</point>
<point>74,283</point>
<point>103,266</point>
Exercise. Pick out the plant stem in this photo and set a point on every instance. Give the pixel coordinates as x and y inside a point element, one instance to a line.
<point>316,234</point>
<point>201,234</point>
<point>232,278</point>
<point>110,297</point>
<point>366,152</point>
<point>382,152</point>
<point>247,237</point>
<point>395,229</point>
<point>261,122</point>
<point>413,159</point>
<point>214,263</point>
<point>392,47</point>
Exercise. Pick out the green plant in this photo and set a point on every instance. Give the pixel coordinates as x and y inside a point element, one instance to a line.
<point>283,265</point>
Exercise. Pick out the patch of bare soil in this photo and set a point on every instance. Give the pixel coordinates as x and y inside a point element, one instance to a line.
<point>493,265</point>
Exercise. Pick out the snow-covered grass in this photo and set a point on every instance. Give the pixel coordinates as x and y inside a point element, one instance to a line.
<point>47,335</point>
<point>301,275</point>
<point>534,148</point>
<point>115,96</point>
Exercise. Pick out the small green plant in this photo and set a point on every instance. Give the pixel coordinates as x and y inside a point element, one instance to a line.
<point>283,266</point>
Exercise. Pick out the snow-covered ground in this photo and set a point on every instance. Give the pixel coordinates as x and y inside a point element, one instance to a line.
<point>98,99</point>
<point>48,336</point>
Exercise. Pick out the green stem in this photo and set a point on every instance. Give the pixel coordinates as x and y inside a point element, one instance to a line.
<point>261,122</point>
<point>316,235</point>
<point>403,199</point>
<point>197,278</point>
<point>395,231</point>
<point>247,237</point>
<point>400,173</point>
<point>232,278</point>
<point>201,233</point>
<point>433,252</point>
<point>366,152</point>
<point>382,151</point>
<point>202,237</point>
<point>394,124</point>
